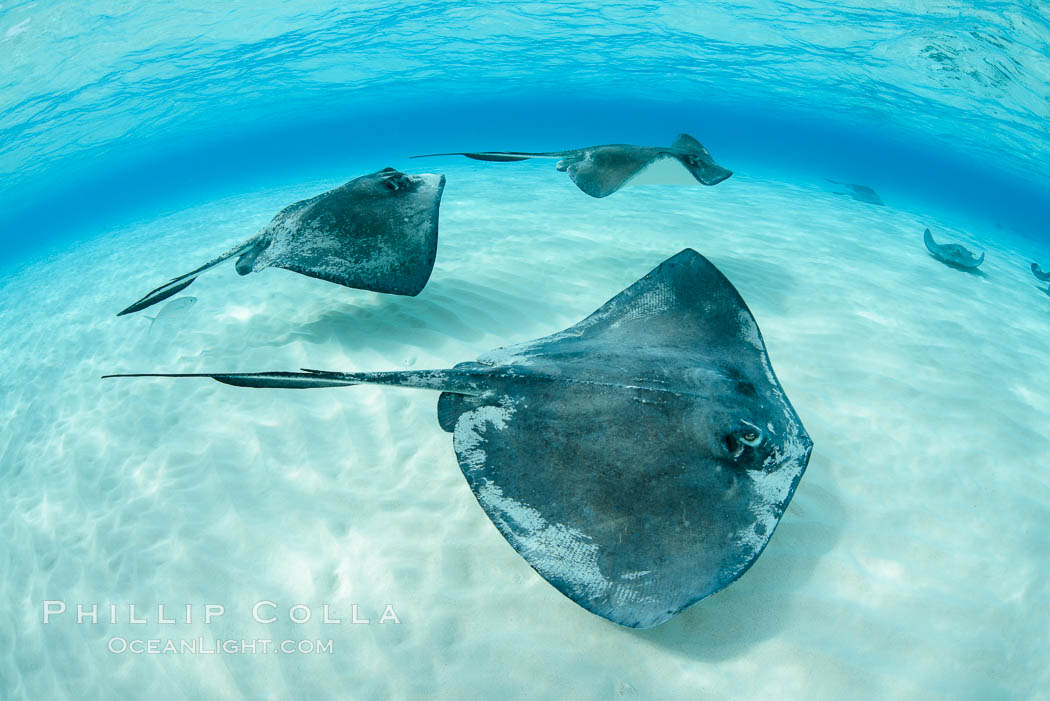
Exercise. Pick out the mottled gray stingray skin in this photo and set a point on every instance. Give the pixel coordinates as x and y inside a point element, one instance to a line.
<point>639,460</point>
<point>602,170</point>
<point>952,253</point>
<point>377,232</point>
<point>1039,274</point>
<point>861,193</point>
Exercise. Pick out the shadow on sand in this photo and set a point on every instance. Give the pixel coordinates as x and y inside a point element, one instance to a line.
<point>976,272</point>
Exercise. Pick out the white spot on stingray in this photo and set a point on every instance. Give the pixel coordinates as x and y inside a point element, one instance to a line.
<point>558,552</point>
<point>771,488</point>
<point>467,436</point>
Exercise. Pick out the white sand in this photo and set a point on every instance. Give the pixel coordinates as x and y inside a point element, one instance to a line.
<point>912,562</point>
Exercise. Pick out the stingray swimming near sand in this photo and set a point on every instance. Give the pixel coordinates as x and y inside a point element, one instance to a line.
<point>377,232</point>
<point>952,254</point>
<point>602,170</point>
<point>639,460</point>
<point>861,193</point>
<point>1039,273</point>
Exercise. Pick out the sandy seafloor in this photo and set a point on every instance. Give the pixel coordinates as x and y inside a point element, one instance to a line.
<point>912,562</point>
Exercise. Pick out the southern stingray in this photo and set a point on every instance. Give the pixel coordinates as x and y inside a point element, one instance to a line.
<point>861,193</point>
<point>639,460</point>
<point>377,232</point>
<point>602,170</point>
<point>953,254</point>
<point>1039,273</point>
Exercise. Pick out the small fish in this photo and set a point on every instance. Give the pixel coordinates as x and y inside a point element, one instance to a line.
<point>175,306</point>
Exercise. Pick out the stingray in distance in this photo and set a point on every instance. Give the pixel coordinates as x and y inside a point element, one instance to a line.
<point>602,170</point>
<point>377,232</point>
<point>861,193</point>
<point>639,460</point>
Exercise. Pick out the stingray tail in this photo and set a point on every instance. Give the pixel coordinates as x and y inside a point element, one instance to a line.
<point>497,156</point>
<point>457,380</point>
<point>271,380</point>
<point>249,249</point>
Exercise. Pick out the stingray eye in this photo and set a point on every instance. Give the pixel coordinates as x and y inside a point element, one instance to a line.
<point>396,181</point>
<point>750,434</point>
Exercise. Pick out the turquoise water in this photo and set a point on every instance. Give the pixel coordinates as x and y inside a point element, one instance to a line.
<point>137,141</point>
<point>111,107</point>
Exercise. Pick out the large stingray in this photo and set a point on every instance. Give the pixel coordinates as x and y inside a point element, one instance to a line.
<point>639,460</point>
<point>952,254</point>
<point>377,232</point>
<point>602,170</point>
<point>1039,274</point>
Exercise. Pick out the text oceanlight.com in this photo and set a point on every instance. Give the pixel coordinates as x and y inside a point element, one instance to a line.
<point>200,646</point>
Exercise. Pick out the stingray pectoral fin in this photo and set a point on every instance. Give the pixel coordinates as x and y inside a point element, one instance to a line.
<point>686,142</point>
<point>980,260</point>
<point>602,170</point>
<point>699,161</point>
<point>931,245</point>
<point>1039,273</point>
<point>708,173</point>
<point>684,303</point>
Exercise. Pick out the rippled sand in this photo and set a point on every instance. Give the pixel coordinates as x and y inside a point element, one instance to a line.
<point>912,562</point>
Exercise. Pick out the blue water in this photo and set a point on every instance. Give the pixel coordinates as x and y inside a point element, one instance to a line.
<point>107,111</point>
